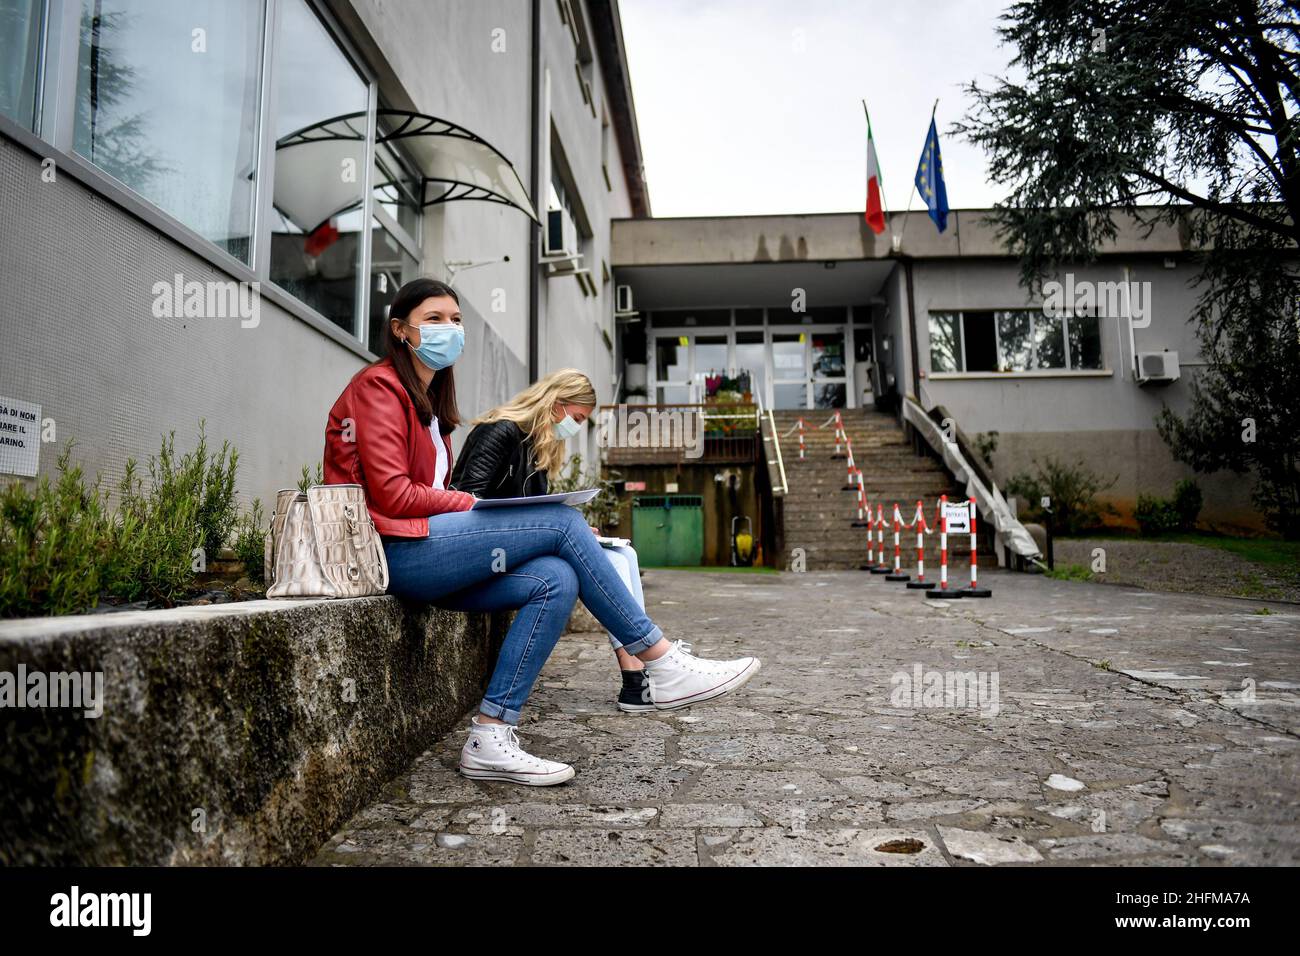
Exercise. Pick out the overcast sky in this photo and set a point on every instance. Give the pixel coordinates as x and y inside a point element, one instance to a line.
<point>755,106</point>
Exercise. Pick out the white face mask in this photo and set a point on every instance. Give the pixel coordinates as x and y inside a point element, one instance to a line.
<point>566,427</point>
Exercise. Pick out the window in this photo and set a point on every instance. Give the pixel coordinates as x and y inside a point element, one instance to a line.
<point>318,197</point>
<point>391,266</point>
<point>397,189</point>
<point>945,342</point>
<point>751,357</point>
<point>604,146</point>
<point>20,35</point>
<point>166,103</point>
<point>165,97</point>
<point>1013,340</point>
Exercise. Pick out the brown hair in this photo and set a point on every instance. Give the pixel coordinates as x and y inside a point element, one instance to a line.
<point>440,397</point>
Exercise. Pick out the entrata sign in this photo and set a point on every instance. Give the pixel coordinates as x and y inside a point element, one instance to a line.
<point>958,517</point>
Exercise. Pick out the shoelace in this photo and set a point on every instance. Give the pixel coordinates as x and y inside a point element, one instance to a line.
<point>512,738</point>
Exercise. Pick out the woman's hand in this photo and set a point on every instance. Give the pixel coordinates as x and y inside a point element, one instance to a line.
<point>594,530</point>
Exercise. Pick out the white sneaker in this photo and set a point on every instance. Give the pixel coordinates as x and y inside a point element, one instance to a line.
<point>679,679</point>
<point>492,752</point>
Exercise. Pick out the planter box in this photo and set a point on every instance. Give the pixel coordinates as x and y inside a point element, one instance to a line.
<point>238,733</point>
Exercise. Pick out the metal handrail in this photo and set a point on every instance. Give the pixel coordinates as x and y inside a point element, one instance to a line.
<point>776,440</point>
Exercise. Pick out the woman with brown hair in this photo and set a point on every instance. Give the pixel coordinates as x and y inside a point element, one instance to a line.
<point>390,431</point>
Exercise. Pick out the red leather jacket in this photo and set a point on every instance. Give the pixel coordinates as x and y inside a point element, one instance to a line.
<point>388,452</point>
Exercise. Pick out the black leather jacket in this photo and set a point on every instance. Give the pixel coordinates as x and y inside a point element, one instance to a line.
<point>497,462</point>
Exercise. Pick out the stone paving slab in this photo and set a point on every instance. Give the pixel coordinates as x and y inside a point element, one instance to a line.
<point>1116,726</point>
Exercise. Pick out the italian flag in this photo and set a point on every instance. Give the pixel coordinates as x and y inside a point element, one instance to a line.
<point>875,214</point>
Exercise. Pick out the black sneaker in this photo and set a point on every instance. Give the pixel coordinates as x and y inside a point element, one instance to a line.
<point>634,698</point>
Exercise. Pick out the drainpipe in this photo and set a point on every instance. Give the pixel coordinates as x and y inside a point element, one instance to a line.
<point>911,330</point>
<point>534,248</point>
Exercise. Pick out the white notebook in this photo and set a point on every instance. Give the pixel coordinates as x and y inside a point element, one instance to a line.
<point>564,498</point>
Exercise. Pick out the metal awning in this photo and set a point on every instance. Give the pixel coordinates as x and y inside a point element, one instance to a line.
<point>453,164</point>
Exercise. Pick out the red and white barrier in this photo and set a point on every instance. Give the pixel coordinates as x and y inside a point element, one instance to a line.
<point>880,567</point>
<point>840,436</point>
<point>863,507</point>
<point>973,590</point>
<point>920,584</point>
<point>869,524</point>
<point>897,574</point>
<point>850,467</point>
<point>943,591</point>
<point>863,519</point>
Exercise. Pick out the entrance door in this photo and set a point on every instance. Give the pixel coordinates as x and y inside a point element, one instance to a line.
<point>789,370</point>
<point>829,369</point>
<point>672,370</point>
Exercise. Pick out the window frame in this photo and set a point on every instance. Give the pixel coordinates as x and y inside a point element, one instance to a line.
<point>53,137</point>
<point>1068,371</point>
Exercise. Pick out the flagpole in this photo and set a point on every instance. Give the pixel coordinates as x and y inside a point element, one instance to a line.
<point>912,195</point>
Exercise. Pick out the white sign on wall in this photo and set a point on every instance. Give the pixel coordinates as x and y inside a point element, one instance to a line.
<point>20,437</point>
<point>958,516</point>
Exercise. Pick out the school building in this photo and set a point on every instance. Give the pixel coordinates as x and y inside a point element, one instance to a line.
<point>208,207</point>
<point>160,157</point>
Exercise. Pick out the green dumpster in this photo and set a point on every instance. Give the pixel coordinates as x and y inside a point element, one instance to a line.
<point>668,530</point>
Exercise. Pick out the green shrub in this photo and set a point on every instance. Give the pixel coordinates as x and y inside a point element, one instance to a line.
<point>1073,489</point>
<point>217,512</point>
<point>601,511</point>
<point>155,539</point>
<point>250,544</point>
<point>1155,516</point>
<point>53,538</point>
<point>986,446</point>
<point>63,545</point>
<point>1187,503</point>
<point>306,480</point>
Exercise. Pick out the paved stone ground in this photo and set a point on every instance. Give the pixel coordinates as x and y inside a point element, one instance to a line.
<point>1131,728</point>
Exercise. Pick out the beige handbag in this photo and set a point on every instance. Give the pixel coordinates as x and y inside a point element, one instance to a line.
<point>323,544</point>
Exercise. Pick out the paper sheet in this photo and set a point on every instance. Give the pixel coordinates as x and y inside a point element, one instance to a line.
<point>564,498</point>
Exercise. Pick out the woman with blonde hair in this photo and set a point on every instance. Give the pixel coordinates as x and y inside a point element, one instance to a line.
<point>513,452</point>
<point>390,431</point>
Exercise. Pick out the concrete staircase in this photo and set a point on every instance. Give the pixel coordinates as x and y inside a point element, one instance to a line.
<point>819,513</point>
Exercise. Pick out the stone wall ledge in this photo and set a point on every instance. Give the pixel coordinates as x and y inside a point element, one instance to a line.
<point>238,734</point>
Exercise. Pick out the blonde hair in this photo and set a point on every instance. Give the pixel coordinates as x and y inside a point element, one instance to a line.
<point>531,411</point>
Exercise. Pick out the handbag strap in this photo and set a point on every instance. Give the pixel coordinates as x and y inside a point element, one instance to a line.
<point>355,521</point>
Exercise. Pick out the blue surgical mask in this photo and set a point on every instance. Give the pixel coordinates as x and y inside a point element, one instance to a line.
<point>566,427</point>
<point>440,344</point>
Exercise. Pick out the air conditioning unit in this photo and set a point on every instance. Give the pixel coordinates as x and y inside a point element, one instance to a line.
<point>561,234</point>
<point>1157,368</point>
<point>623,300</point>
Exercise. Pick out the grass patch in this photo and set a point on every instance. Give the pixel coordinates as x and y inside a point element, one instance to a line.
<point>1069,572</point>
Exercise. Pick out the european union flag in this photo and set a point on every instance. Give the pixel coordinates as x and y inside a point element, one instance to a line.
<point>929,179</point>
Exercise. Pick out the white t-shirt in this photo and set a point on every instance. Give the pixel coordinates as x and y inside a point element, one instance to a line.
<point>440,453</point>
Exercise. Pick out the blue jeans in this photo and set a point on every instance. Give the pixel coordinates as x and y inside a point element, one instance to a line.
<point>625,562</point>
<point>537,559</point>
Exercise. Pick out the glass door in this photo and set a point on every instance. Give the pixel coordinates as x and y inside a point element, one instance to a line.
<point>789,370</point>
<point>830,383</point>
<point>672,370</point>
